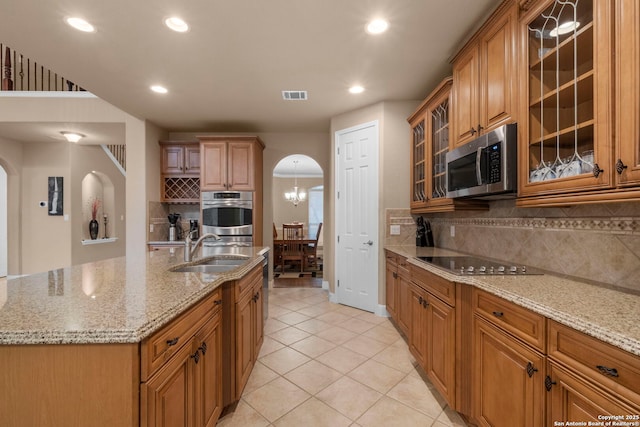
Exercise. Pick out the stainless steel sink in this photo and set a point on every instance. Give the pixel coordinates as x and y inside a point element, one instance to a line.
<point>213,265</point>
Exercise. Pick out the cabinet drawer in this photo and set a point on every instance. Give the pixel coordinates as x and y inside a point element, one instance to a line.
<point>403,266</point>
<point>606,364</point>
<point>246,283</point>
<point>391,258</point>
<point>436,285</point>
<point>523,323</point>
<point>163,344</point>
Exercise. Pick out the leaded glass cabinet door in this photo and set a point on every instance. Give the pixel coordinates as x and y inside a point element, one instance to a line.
<point>419,194</point>
<point>566,124</point>
<point>439,147</point>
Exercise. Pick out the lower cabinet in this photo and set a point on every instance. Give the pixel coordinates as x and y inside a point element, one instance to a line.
<point>186,390</point>
<point>391,285</point>
<point>403,307</point>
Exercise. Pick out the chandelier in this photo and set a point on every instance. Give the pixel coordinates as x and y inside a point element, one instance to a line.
<point>297,195</point>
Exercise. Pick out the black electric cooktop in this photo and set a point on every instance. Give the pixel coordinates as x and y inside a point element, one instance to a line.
<point>476,266</point>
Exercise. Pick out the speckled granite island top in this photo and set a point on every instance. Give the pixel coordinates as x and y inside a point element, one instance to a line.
<point>110,301</point>
<point>606,314</point>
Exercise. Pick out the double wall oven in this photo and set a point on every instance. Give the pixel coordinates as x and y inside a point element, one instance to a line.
<point>229,214</point>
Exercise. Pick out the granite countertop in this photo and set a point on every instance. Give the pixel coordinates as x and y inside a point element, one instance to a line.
<point>110,301</point>
<point>607,314</point>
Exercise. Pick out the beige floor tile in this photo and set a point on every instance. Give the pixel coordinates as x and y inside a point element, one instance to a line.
<point>334,317</point>
<point>391,413</point>
<point>275,311</point>
<point>450,418</point>
<point>284,360</point>
<point>316,299</point>
<point>313,413</point>
<point>313,326</point>
<point>342,359</point>
<point>365,346</point>
<point>414,393</point>
<point>243,416</point>
<point>260,375</point>
<point>313,376</point>
<point>336,335</point>
<point>269,345</point>
<point>383,334</point>
<point>276,398</point>
<point>372,318</point>
<point>292,304</point>
<point>377,376</point>
<point>293,318</point>
<point>289,335</point>
<point>396,357</point>
<point>313,346</point>
<point>350,311</point>
<point>273,325</point>
<point>356,325</point>
<point>317,309</point>
<point>349,397</point>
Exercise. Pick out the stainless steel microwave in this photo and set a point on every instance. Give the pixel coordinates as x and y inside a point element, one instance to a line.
<point>485,167</point>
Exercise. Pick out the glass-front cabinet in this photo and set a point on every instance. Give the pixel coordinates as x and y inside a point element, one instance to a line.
<point>566,121</point>
<point>429,145</point>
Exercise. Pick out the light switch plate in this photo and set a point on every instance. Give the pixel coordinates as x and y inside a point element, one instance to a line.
<point>395,230</point>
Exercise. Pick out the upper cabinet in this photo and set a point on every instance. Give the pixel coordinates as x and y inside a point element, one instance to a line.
<point>566,126</point>
<point>180,171</point>
<point>231,163</point>
<point>484,77</point>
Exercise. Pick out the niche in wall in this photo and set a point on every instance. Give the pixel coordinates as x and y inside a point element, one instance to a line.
<point>97,186</point>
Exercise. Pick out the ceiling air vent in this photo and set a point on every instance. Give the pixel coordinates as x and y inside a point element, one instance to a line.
<point>294,95</point>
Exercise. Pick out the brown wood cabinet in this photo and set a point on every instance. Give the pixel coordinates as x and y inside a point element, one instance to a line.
<point>182,375</point>
<point>391,284</point>
<point>180,171</point>
<point>484,77</point>
<point>231,163</point>
<point>244,334</point>
<point>403,307</point>
<point>432,335</point>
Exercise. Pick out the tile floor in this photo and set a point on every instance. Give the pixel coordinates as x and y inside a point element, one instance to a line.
<point>325,364</point>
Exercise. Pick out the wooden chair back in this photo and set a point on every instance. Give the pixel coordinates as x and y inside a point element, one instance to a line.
<point>291,231</point>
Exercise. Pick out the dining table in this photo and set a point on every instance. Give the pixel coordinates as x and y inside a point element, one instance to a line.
<point>279,243</point>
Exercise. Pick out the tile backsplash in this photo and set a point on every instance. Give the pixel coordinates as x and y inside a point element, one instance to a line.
<point>158,213</point>
<point>598,243</point>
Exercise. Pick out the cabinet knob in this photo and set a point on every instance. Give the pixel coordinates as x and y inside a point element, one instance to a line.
<point>203,348</point>
<point>620,167</point>
<point>498,313</point>
<point>473,131</point>
<point>217,302</point>
<point>596,170</point>
<point>196,356</point>
<point>480,128</point>
<point>173,342</point>
<point>531,369</point>
<point>425,303</point>
<point>548,383</point>
<point>420,300</point>
<point>395,275</point>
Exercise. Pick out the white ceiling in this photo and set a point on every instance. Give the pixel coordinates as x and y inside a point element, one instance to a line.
<point>227,73</point>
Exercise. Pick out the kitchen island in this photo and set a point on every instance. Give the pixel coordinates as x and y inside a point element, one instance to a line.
<point>77,344</point>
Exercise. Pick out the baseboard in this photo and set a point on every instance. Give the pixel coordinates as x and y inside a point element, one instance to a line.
<point>325,284</point>
<point>382,311</point>
<point>333,297</point>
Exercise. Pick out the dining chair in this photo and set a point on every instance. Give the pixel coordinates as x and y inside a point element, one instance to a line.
<point>311,251</point>
<point>292,231</point>
<point>292,251</point>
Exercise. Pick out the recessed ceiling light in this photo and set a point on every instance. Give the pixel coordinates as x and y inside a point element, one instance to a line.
<point>72,136</point>
<point>159,89</point>
<point>81,24</point>
<point>176,24</point>
<point>356,89</point>
<point>564,28</point>
<point>377,26</point>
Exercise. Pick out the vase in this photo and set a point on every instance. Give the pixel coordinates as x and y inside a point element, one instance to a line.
<point>93,229</point>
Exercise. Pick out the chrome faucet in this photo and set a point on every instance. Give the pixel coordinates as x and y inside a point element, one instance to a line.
<point>190,249</point>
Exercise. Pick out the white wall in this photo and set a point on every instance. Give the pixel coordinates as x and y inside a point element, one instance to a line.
<point>3,222</point>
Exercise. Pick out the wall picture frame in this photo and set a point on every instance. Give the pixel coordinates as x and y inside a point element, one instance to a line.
<point>55,206</point>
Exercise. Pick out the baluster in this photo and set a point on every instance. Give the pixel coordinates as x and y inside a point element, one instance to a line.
<point>7,83</point>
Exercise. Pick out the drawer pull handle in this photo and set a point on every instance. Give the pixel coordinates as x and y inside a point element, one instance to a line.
<point>611,372</point>
<point>203,348</point>
<point>217,302</point>
<point>530,369</point>
<point>196,356</point>
<point>548,383</point>
<point>498,313</point>
<point>173,341</point>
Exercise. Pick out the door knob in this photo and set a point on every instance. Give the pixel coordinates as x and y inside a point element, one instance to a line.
<point>370,242</point>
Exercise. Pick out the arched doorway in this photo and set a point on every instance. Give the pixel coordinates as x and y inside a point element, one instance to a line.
<point>298,197</point>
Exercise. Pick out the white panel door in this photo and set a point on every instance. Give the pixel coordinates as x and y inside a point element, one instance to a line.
<point>357,217</point>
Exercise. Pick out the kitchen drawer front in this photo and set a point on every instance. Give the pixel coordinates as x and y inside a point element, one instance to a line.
<point>607,365</point>
<point>391,257</point>
<point>520,322</point>
<point>247,282</point>
<point>434,284</point>
<point>403,266</point>
<point>163,344</point>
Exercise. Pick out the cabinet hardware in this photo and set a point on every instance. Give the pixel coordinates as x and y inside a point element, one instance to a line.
<point>217,302</point>
<point>498,313</point>
<point>173,341</point>
<point>611,372</point>
<point>480,128</point>
<point>620,167</point>
<point>548,383</point>
<point>473,131</point>
<point>425,303</point>
<point>420,300</point>
<point>196,356</point>
<point>531,369</point>
<point>203,348</point>
<point>395,275</point>
<point>596,170</point>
